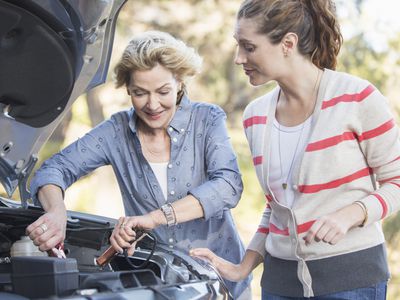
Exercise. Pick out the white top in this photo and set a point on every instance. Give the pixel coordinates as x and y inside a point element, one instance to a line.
<point>292,144</point>
<point>160,170</point>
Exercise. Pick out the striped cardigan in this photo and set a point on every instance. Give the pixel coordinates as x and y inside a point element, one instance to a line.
<point>353,143</point>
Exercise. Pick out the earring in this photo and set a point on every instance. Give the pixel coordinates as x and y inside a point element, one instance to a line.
<point>285,53</point>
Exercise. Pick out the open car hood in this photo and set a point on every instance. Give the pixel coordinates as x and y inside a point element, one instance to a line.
<point>51,51</point>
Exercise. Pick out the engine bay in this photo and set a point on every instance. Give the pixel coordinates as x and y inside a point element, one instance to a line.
<point>155,271</point>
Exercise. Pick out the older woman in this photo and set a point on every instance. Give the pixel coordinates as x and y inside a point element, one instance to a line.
<point>326,151</point>
<point>173,160</point>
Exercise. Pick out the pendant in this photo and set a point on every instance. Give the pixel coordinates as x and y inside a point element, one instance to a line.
<point>284,185</point>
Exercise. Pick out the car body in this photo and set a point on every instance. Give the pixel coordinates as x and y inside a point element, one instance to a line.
<point>52,51</point>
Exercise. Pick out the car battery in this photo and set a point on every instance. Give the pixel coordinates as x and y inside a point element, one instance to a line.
<point>39,277</point>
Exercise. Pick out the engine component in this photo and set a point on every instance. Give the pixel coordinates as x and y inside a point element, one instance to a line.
<point>40,277</point>
<point>25,247</point>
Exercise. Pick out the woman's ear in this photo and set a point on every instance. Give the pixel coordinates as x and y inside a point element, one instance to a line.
<point>289,43</point>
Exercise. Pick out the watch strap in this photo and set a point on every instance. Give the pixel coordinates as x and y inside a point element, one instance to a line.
<point>169,214</point>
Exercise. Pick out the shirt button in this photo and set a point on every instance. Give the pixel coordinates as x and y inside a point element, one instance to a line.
<point>170,166</point>
<point>170,129</point>
<point>182,130</point>
<point>174,139</point>
<point>295,187</point>
<point>170,240</point>
<point>172,192</point>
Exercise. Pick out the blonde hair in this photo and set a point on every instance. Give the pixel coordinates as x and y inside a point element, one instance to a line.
<point>150,48</point>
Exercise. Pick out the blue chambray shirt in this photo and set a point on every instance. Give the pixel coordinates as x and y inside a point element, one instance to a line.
<point>202,163</point>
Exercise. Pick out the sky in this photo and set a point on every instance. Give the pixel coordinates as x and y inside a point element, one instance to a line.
<point>380,20</point>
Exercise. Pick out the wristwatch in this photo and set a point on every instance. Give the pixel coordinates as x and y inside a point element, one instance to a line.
<point>169,214</point>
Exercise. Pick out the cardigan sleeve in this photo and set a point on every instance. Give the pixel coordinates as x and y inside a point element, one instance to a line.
<point>257,243</point>
<point>253,122</point>
<point>379,140</point>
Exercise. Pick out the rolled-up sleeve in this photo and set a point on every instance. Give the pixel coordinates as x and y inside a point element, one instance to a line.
<point>73,162</point>
<point>224,186</point>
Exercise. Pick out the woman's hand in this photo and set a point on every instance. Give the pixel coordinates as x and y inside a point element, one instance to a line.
<point>124,233</point>
<point>48,230</point>
<point>333,227</point>
<point>225,268</point>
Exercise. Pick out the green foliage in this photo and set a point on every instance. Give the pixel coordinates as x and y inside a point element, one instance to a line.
<point>391,227</point>
<point>360,59</point>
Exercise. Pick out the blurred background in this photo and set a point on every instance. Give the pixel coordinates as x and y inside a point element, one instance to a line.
<point>371,50</point>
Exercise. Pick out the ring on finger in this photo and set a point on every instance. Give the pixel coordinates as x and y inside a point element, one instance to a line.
<point>44,227</point>
<point>122,225</point>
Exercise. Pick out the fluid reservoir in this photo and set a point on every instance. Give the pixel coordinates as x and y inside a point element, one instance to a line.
<point>25,247</point>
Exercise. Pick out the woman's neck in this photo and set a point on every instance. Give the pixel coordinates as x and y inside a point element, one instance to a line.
<point>155,143</point>
<point>298,96</point>
<point>300,82</point>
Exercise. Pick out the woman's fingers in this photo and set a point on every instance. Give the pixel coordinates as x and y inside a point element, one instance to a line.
<point>42,237</point>
<point>115,244</point>
<point>120,240</point>
<point>336,239</point>
<point>50,243</point>
<point>328,237</point>
<point>124,234</point>
<point>329,229</point>
<point>322,232</point>
<point>203,253</point>
<point>132,248</point>
<point>121,229</point>
<point>310,236</point>
<point>227,269</point>
<point>35,226</point>
<point>47,231</point>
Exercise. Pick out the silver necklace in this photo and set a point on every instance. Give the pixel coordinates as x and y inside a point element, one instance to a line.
<point>285,182</point>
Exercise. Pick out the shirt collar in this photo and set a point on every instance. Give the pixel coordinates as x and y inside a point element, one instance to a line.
<point>179,121</point>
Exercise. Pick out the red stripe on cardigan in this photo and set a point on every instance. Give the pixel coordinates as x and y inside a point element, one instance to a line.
<point>358,97</point>
<point>397,158</point>
<point>263,230</point>
<point>254,121</point>
<point>347,136</point>
<point>377,131</point>
<point>314,188</point>
<point>389,179</point>
<point>332,141</point>
<point>276,230</point>
<point>268,197</point>
<point>384,205</point>
<point>300,228</point>
<point>305,226</point>
<point>394,183</point>
<point>257,160</point>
